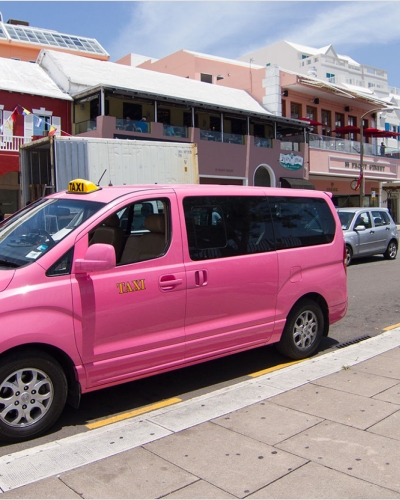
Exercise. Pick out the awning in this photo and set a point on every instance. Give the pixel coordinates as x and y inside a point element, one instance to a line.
<point>312,122</point>
<point>296,183</point>
<point>348,129</point>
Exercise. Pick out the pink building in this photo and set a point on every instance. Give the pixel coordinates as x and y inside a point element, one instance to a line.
<point>335,113</point>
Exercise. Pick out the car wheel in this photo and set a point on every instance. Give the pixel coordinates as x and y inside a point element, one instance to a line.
<point>349,255</point>
<point>391,251</point>
<point>33,392</point>
<point>303,330</point>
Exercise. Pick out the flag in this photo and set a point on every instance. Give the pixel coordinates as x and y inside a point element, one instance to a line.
<point>38,121</point>
<point>359,180</point>
<point>23,111</point>
<point>52,130</point>
<point>14,114</point>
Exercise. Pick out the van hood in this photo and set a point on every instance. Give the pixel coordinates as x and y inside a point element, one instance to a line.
<point>5,278</point>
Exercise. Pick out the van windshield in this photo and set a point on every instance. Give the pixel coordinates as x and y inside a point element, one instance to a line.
<point>33,231</point>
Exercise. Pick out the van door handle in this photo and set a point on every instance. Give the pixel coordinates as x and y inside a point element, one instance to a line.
<point>200,277</point>
<point>169,282</point>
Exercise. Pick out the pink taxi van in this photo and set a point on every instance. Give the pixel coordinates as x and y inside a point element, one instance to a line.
<point>100,286</point>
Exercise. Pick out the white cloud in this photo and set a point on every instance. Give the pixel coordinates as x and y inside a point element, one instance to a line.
<point>231,29</point>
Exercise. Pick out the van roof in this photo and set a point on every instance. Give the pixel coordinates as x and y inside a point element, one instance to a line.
<point>106,194</point>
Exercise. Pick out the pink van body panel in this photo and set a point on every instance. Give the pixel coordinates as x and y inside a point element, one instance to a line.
<point>148,317</point>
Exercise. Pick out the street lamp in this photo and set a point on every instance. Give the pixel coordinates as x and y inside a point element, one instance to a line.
<point>362,178</point>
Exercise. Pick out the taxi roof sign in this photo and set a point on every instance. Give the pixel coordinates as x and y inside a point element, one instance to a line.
<point>82,186</point>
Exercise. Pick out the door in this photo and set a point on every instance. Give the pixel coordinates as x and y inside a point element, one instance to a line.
<point>130,320</point>
<point>365,239</point>
<point>382,229</point>
<point>232,274</point>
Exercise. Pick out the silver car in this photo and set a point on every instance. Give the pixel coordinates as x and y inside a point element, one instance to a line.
<point>368,231</point>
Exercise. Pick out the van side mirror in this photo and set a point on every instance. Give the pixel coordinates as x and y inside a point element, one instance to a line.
<point>98,257</point>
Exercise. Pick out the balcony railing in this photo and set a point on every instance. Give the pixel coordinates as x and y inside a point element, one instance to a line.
<point>133,125</point>
<point>349,146</point>
<point>12,143</point>
<point>262,142</point>
<point>175,131</point>
<point>86,126</point>
<point>212,135</point>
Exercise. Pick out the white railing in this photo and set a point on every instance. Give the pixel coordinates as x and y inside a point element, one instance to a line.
<point>348,146</point>
<point>12,143</point>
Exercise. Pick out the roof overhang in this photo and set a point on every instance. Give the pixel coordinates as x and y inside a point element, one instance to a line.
<point>131,93</point>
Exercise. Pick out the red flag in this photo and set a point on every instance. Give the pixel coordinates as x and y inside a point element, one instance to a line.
<point>52,130</point>
<point>359,180</point>
<point>14,114</point>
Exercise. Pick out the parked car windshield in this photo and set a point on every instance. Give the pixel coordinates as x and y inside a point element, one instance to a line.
<point>345,219</point>
<point>33,231</point>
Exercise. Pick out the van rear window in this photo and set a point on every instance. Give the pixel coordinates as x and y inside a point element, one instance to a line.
<point>226,226</point>
<point>301,222</point>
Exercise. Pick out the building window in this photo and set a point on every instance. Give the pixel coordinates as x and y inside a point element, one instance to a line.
<point>295,110</point>
<point>326,121</point>
<point>311,113</point>
<point>204,77</point>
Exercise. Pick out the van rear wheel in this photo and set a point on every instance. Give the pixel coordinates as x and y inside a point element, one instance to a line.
<point>303,330</point>
<point>33,392</point>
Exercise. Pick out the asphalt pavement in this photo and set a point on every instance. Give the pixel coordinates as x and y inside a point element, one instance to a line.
<point>326,427</point>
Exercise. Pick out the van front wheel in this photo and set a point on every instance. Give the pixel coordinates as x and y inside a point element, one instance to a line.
<point>33,392</point>
<point>303,330</point>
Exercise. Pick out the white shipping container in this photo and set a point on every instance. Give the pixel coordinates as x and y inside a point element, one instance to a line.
<point>106,161</point>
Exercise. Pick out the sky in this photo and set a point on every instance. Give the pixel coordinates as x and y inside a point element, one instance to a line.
<point>367,31</point>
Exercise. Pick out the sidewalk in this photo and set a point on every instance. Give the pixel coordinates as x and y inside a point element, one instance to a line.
<point>327,427</point>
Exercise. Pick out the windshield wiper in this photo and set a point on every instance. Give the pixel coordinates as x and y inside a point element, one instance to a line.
<point>6,263</point>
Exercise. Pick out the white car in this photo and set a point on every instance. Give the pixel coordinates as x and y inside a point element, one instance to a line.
<point>368,231</point>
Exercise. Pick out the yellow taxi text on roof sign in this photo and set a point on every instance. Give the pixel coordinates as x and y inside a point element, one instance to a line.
<point>82,186</point>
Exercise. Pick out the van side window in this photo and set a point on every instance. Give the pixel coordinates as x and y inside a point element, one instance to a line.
<point>140,231</point>
<point>227,226</point>
<point>300,222</point>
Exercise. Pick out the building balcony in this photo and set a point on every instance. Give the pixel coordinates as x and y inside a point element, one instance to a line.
<point>12,143</point>
<point>349,146</point>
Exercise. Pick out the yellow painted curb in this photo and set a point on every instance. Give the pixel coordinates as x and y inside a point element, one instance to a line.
<point>134,413</point>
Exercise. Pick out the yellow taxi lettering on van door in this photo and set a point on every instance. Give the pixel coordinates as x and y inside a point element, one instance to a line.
<point>126,287</point>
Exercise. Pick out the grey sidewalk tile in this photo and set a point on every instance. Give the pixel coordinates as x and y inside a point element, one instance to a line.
<point>357,382</point>
<point>232,462</point>
<point>338,406</point>
<point>389,427</point>
<point>360,454</point>
<point>267,422</point>
<point>213,405</point>
<point>199,489</point>
<point>133,474</point>
<point>386,365</point>
<point>51,487</point>
<point>315,481</point>
<point>391,395</point>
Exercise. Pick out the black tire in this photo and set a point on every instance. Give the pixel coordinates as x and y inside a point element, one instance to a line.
<point>33,392</point>
<point>391,251</point>
<point>349,255</point>
<point>303,330</point>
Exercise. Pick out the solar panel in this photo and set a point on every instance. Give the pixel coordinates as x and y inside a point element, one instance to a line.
<point>52,38</point>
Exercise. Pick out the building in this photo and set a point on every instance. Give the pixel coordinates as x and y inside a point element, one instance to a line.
<point>238,141</point>
<point>334,112</point>
<point>30,104</point>
<point>20,41</point>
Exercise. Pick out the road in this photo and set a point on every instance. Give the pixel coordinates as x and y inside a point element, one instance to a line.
<point>374,304</point>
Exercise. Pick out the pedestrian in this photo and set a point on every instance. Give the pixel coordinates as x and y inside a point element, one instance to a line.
<point>382,149</point>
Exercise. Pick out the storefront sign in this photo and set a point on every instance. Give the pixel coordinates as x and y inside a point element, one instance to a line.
<point>291,161</point>
<point>367,166</point>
